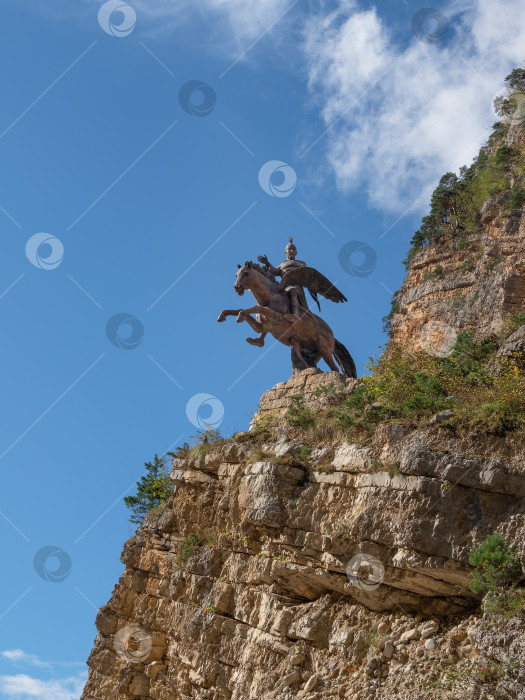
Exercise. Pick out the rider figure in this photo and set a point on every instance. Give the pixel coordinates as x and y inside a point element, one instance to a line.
<point>295,292</point>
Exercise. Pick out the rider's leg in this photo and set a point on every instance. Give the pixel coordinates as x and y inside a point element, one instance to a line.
<point>294,301</point>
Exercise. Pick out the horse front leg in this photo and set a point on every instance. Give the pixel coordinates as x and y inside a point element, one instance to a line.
<point>228,312</point>
<point>257,326</point>
<point>263,311</point>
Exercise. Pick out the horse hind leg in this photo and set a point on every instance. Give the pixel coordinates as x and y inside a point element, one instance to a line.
<point>327,354</point>
<point>330,362</point>
<point>298,361</point>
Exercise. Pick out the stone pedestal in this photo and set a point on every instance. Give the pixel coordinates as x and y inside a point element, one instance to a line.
<point>302,382</point>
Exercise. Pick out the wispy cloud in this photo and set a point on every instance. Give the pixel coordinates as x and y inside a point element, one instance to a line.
<point>244,18</point>
<point>20,656</point>
<point>431,107</point>
<point>24,687</point>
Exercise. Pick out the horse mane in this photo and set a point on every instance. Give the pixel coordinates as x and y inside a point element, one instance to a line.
<point>260,268</point>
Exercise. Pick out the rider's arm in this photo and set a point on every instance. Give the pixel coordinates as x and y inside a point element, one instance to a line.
<point>274,270</point>
<point>271,269</point>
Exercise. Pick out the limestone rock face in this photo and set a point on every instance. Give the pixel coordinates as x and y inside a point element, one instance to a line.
<point>343,574</point>
<point>465,284</point>
<point>305,383</point>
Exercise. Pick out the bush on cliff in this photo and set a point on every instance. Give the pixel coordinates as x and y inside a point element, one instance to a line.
<point>407,387</point>
<point>457,200</point>
<point>497,573</point>
<point>153,489</point>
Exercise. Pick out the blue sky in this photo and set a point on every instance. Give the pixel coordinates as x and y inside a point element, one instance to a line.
<point>147,209</point>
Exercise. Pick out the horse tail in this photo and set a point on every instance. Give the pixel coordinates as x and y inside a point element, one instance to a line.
<point>344,360</point>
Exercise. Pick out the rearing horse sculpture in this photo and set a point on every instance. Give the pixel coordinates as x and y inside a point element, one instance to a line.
<point>309,337</point>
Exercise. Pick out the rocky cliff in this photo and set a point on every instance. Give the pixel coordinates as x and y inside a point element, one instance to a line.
<point>324,553</point>
<point>472,275</point>
<point>244,586</point>
<point>474,283</point>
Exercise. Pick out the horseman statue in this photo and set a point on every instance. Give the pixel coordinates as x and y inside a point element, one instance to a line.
<point>283,312</point>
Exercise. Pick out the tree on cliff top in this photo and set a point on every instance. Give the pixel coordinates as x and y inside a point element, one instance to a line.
<point>153,490</point>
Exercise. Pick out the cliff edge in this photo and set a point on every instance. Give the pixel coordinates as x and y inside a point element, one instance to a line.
<point>325,552</point>
<point>242,587</point>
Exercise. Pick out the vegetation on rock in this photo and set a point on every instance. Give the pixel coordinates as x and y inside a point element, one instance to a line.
<point>412,387</point>
<point>455,207</point>
<point>497,574</point>
<point>153,489</point>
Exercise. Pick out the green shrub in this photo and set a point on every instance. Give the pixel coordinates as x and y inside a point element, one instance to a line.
<point>457,200</point>
<point>181,451</point>
<point>469,357</point>
<point>303,456</point>
<point>497,565</point>
<point>517,198</point>
<point>394,309</point>
<point>153,490</point>
<point>498,571</point>
<point>504,604</point>
<point>205,440</point>
<point>298,415</point>
<point>517,320</point>
<point>187,547</point>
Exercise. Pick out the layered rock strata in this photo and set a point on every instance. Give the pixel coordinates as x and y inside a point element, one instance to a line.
<point>244,586</point>
<point>473,284</point>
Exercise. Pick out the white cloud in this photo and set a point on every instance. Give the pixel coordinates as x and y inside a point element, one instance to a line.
<point>24,687</point>
<point>20,656</point>
<point>239,20</point>
<point>431,107</point>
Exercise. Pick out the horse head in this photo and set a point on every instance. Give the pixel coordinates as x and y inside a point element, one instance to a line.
<point>244,273</point>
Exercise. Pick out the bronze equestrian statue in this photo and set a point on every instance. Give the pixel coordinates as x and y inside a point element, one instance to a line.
<point>282,311</point>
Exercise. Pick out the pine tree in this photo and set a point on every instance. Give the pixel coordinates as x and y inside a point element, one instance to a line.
<point>153,489</point>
